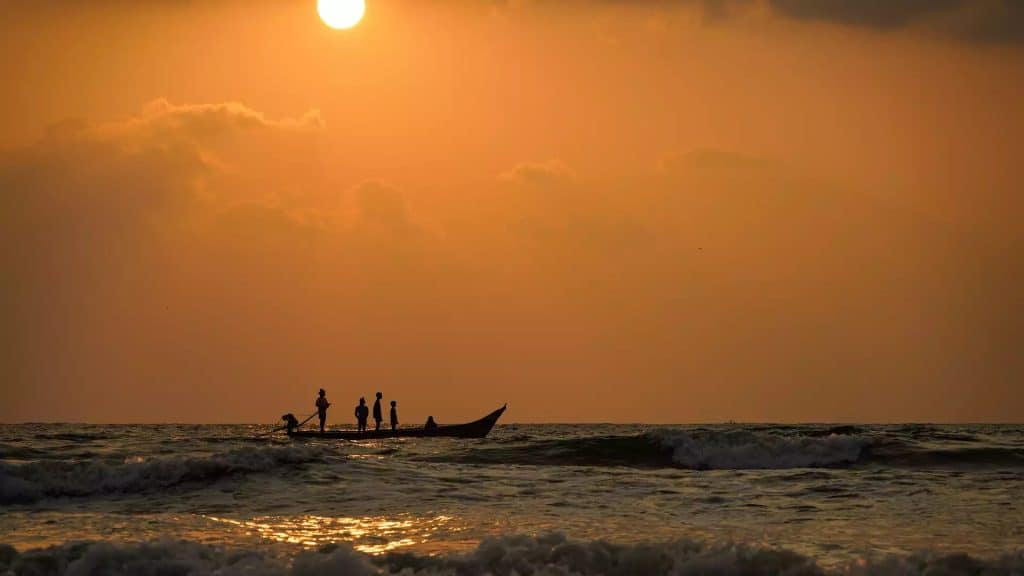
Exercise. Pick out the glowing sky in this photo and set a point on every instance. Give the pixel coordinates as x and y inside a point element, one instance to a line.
<point>663,211</point>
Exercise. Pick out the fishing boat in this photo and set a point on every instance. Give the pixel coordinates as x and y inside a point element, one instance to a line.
<point>475,429</point>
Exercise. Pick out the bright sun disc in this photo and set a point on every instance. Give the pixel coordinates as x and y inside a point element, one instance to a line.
<point>341,13</point>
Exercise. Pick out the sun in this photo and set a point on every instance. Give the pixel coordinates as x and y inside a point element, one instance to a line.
<point>341,14</point>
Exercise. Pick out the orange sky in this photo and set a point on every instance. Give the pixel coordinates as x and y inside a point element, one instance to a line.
<point>595,210</point>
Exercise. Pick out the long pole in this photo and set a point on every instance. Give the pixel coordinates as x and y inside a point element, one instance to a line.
<point>308,419</point>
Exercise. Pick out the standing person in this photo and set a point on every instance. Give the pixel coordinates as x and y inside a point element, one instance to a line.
<point>394,415</point>
<point>321,407</point>
<point>361,414</point>
<point>378,417</point>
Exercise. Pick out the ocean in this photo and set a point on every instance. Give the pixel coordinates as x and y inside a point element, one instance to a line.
<point>528,499</point>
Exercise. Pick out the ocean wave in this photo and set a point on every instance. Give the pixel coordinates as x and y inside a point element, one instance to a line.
<point>76,436</point>
<point>694,449</point>
<point>738,449</point>
<point>27,483</point>
<point>552,555</point>
<point>635,450</point>
<point>742,450</point>
<point>14,452</point>
<point>903,455</point>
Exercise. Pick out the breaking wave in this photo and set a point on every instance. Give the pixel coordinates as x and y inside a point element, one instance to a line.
<point>552,555</point>
<point>698,450</point>
<point>739,449</point>
<point>27,483</point>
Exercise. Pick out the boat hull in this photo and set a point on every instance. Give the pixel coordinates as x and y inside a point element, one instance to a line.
<point>476,429</point>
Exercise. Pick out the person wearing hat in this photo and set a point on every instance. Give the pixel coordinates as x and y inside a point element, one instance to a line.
<point>321,408</point>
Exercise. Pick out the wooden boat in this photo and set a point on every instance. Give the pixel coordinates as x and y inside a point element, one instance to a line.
<point>475,429</point>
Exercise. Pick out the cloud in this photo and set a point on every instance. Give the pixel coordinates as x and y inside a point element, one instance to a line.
<point>381,205</point>
<point>539,174</point>
<point>873,13</point>
<point>102,223</point>
<point>981,21</point>
<point>208,119</point>
<point>154,164</point>
<point>978,21</point>
<point>175,258</point>
<point>992,21</point>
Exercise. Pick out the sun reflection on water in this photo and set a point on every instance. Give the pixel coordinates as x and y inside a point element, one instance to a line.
<point>369,534</point>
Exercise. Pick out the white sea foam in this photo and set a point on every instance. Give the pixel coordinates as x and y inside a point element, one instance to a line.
<point>550,555</point>
<point>33,481</point>
<point>757,450</point>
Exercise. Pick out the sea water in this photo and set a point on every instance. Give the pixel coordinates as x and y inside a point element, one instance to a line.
<point>529,499</point>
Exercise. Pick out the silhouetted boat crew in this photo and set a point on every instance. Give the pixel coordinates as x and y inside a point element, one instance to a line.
<point>321,407</point>
<point>394,415</point>
<point>475,429</point>
<point>378,417</point>
<point>362,412</point>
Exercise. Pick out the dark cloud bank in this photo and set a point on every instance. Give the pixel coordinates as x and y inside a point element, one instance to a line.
<point>976,20</point>
<point>982,21</point>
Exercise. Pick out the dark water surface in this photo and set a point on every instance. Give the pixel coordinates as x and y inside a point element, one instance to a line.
<point>528,499</point>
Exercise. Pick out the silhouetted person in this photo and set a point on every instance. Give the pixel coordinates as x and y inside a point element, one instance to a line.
<point>378,417</point>
<point>394,415</point>
<point>321,407</point>
<point>290,422</point>
<point>430,425</point>
<point>362,412</point>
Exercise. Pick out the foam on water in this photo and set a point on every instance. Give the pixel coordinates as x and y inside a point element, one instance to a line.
<point>251,504</point>
<point>550,554</point>
<point>29,482</point>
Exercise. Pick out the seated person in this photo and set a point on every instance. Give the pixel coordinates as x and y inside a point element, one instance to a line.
<point>430,425</point>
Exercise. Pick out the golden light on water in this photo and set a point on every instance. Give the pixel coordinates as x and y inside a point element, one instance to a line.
<point>369,534</point>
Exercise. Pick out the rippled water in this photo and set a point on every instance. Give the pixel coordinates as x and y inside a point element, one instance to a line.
<point>834,496</point>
